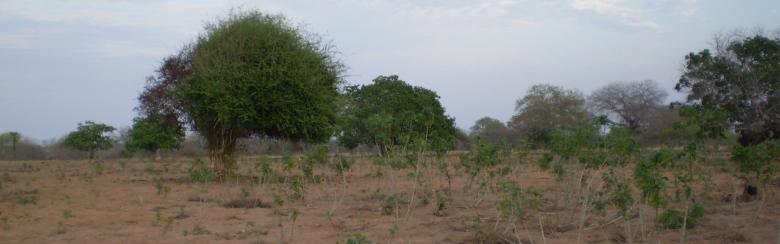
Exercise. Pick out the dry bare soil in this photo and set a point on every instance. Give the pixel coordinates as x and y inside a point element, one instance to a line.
<point>136,201</point>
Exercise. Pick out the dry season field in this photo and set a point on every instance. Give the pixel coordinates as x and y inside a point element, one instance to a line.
<point>131,201</point>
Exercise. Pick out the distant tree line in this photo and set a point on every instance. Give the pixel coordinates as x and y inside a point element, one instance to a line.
<point>638,106</point>
<point>254,83</point>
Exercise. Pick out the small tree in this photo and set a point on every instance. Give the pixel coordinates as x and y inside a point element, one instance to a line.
<point>545,108</point>
<point>154,133</point>
<point>89,137</point>
<point>391,112</point>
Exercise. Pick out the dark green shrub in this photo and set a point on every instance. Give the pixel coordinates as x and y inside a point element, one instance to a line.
<point>674,219</point>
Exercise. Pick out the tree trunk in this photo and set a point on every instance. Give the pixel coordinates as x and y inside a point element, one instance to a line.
<point>91,155</point>
<point>382,149</point>
<point>222,155</point>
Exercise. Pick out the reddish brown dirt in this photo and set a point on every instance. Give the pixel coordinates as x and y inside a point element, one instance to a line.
<point>122,205</point>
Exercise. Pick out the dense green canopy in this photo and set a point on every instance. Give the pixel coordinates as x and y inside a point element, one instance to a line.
<point>390,112</point>
<point>155,133</point>
<point>90,137</point>
<point>740,81</point>
<point>249,74</point>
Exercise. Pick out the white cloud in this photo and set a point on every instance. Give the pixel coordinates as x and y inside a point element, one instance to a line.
<point>177,17</point>
<point>616,11</point>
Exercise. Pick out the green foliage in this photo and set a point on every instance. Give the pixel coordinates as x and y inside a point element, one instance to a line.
<point>98,168</point>
<point>10,140</point>
<point>514,201</point>
<point>757,161</point>
<point>474,225</point>
<point>251,228</point>
<point>442,204</point>
<point>152,170</point>
<point>317,156</point>
<point>674,219</point>
<point>66,214</point>
<point>162,189</point>
<point>27,199</point>
<point>700,122</point>
<point>266,170</point>
<point>342,164</point>
<point>621,195</point>
<point>687,170</point>
<point>545,108</point>
<point>358,239</point>
<point>483,156</point>
<point>250,74</point>
<point>201,173</point>
<point>650,179</point>
<point>390,205</point>
<point>89,136</point>
<point>235,89</point>
<point>296,188</point>
<point>586,144</point>
<point>739,83</point>
<point>154,133</point>
<point>390,112</point>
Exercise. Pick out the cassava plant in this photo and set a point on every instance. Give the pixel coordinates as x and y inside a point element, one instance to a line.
<point>757,165</point>
<point>650,179</point>
<point>590,149</point>
<point>480,164</point>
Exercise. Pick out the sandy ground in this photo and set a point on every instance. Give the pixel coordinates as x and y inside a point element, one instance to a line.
<point>131,201</point>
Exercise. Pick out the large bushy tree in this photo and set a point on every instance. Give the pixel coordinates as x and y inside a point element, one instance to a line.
<point>390,112</point>
<point>90,137</point>
<point>249,74</point>
<point>634,103</point>
<point>491,130</point>
<point>545,108</point>
<point>154,133</point>
<point>738,82</point>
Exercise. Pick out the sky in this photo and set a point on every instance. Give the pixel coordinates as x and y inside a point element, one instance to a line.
<point>65,61</point>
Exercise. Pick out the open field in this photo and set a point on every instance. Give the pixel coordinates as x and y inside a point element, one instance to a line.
<point>126,201</point>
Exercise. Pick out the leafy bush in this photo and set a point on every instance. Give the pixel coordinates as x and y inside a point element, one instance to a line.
<point>317,156</point>
<point>757,161</point>
<point>358,239</point>
<point>484,156</point>
<point>390,204</point>
<point>650,179</point>
<point>200,172</point>
<point>674,219</point>
<point>24,200</point>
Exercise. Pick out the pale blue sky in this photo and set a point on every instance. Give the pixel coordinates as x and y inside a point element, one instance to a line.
<point>64,62</point>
